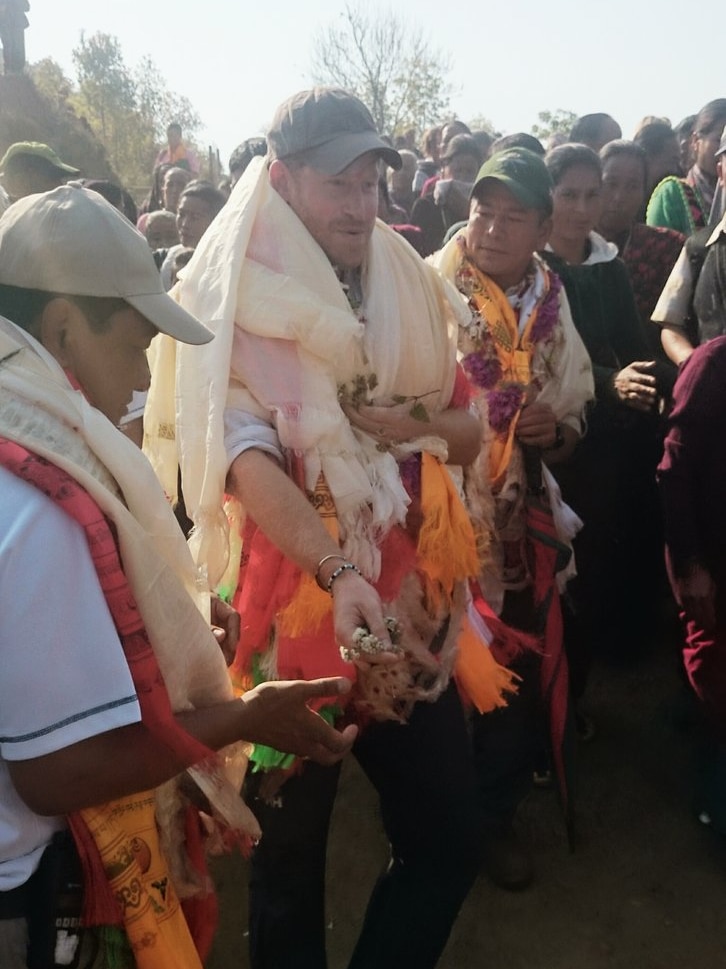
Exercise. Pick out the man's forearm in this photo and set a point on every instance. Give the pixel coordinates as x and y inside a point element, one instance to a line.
<point>131,758</point>
<point>280,508</point>
<point>462,432</point>
<point>676,344</point>
<point>291,523</point>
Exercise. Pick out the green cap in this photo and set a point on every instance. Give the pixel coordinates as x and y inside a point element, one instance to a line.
<point>37,150</point>
<point>523,173</point>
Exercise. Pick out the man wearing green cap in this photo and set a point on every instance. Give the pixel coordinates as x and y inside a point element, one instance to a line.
<point>29,167</point>
<point>532,378</point>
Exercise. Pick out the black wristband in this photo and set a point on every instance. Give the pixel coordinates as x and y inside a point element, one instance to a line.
<point>559,438</point>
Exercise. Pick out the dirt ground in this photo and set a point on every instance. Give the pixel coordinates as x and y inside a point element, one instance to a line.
<point>645,887</point>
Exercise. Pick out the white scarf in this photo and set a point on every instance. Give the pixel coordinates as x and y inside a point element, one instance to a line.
<point>40,410</point>
<point>270,295</point>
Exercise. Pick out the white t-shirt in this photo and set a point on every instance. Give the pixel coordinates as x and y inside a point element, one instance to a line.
<point>64,676</point>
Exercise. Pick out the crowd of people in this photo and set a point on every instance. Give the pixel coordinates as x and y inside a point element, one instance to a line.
<point>428,418</point>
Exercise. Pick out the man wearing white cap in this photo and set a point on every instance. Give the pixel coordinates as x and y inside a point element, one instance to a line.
<point>329,404</point>
<point>112,681</point>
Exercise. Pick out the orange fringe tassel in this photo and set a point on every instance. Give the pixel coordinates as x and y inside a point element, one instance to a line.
<point>446,542</point>
<point>478,674</point>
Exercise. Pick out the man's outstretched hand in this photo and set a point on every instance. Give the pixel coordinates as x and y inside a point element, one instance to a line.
<point>277,714</point>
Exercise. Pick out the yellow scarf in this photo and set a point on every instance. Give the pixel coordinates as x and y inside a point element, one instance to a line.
<point>514,350</point>
<point>126,836</point>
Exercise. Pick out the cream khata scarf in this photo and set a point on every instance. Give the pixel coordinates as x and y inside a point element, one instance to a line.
<point>288,346</point>
<point>40,410</point>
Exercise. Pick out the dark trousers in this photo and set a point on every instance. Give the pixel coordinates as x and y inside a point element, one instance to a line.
<point>508,745</point>
<point>424,775</point>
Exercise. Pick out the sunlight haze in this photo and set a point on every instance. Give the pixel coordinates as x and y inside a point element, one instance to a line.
<point>237,62</point>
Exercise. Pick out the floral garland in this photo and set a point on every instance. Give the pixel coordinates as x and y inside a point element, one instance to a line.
<point>483,366</point>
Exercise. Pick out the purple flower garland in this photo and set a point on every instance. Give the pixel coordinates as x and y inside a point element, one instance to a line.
<point>484,368</point>
<point>503,404</point>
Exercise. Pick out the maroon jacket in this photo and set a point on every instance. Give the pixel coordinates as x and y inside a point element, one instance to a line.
<point>692,472</point>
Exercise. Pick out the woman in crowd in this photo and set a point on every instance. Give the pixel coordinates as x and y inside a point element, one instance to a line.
<point>447,200</point>
<point>684,133</point>
<point>685,203</point>
<point>609,481</point>
<point>662,153</point>
<point>649,252</point>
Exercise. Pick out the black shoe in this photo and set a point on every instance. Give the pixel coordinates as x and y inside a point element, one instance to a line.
<point>507,861</point>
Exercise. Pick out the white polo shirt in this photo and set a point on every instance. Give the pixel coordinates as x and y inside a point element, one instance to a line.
<point>64,676</point>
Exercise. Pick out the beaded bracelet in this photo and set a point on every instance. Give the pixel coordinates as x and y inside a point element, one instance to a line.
<point>345,567</point>
<point>321,563</point>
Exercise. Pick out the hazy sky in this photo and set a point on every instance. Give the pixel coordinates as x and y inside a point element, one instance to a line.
<point>236,60</point>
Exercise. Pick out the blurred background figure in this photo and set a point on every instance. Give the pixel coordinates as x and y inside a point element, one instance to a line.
<point>154,199</point>
<point>662,153</point>
<point>684,133</point>
<point>610,479</point>
<point>428,165</point>
<point>12,34</point>
<point>388,211</point>
<point>692,478</point>
<point>243,155</point>
<point>161,230</point>
<point>199,203</point>
<point>400,183</point>
<point>115,194</point>
<point>485,140</point>
<point>692,307</point>
<point>175,181</point>
<point>446,199</point>
<point>519,139</point>
<point>176,152</point>
<point>595,130</point>
<point>649,252</point>
<point>685,203</point>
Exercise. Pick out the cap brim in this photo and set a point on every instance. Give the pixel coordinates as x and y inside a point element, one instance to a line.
<point>59,166</point>
<point>168,317</point>
<point>334,156</point>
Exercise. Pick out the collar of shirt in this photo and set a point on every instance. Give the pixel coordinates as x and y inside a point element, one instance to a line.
<point>524,295</point>
<point>352,282</point>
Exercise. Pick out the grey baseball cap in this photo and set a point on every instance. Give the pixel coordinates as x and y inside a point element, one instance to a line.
<point>329,128</point>
<point>72,242</point>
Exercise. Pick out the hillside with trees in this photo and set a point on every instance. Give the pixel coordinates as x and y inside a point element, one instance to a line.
<point>109,120</point>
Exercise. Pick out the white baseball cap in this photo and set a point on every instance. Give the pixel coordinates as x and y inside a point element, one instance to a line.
<point>72,242</point>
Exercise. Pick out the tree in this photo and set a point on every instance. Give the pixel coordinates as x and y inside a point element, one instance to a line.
<point>50,80</point>
<point>389,65</point>
<point>106,97</point>
<point>553,122</point>
<point>482,123</point>
<point>159,105</point>
<point>127,109</point>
